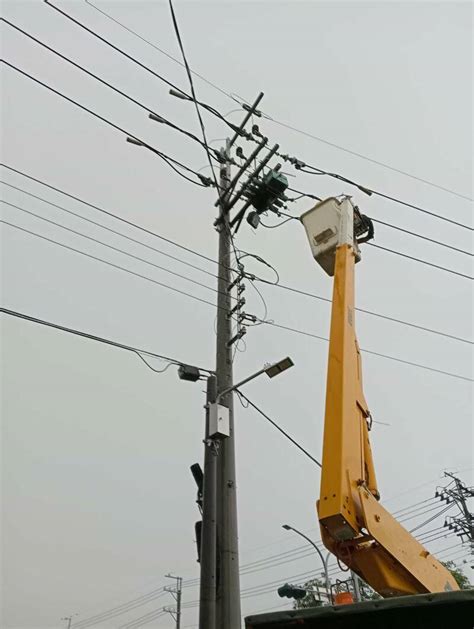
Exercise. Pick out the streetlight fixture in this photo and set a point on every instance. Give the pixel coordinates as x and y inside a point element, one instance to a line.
<point>272,370</point>
<point>219,414</point>
<point>287,527</point>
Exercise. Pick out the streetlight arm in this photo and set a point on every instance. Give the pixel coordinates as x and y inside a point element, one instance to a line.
<point>239,384</point>
<point>324,561</point>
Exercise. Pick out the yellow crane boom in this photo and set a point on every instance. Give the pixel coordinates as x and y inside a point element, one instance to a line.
<point>355,527</point>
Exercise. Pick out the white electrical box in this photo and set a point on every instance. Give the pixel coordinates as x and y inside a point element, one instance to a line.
<point>328,224</point>
<point>219,425</point>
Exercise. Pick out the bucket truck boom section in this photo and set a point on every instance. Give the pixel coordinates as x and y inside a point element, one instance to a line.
<point>354,525</point>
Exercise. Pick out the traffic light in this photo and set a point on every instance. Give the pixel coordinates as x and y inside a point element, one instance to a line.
<point>291,591</point>
<point>198,533</point>
<point>198,476</point>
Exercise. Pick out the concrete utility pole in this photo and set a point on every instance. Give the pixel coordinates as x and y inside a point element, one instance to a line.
<point>228,614</point>
<point>207,595</point>
<point>176,592</point>
<point>68,619</point>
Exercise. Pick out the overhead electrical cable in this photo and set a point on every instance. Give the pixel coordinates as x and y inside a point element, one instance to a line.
<point>171,161</point>
<point>369,159</point>
<point>199,299</point>
<point>193,93</point>
<point>279,428</point>
<point>318,171</point>
<point>416,235</point>
<point>112,215</point>
<point>113,231</point>
<point>145,619</point>
<point>368,312</point>
<point>105,617</point>
<point>278,122</point>
<point>107,262</point>
<point>370,191</point>
<point>109,246</point>
<point>163,52</point>
<point>109,85</point>
<point>179,91</point>
<point>415,259</point>
<point>93,337</point>
<point>372,352</point>
<point>433,517</point>
<point>209,259</point>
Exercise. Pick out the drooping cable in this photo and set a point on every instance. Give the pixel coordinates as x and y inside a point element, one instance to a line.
<point>163,52</point>
<point>114,231</point>
<point>93,337</point>
<point>193,93</point>
<point>111,247</point>
<point>372,352</point>
<point>107,84</point>
<point>106,262</point>
<point>199,299</point>
<point>180,92</point>
<point>111,214</point>
<point>420,260</point>
<point>283,432</point>
<point>416,235</point>
<point>370,191</point>
<point>282,124</point>
<point>171,161</point>
<point>207,258</point>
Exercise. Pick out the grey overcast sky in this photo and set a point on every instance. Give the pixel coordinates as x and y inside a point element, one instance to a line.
<point>98,500</point>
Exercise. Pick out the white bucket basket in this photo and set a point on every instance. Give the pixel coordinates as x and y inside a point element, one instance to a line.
<point>329,224</point>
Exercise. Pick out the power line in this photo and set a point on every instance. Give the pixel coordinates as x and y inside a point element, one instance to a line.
<point>181,92</point>
<point>373,353</point>
<point>425,510</point>
<point>166,158</point>
<point>433,517</point>
<point>104,82</point>
<point>204,301</point>
<point>104,244</point>
<point>369,159</point>
<point>283,432</point>
<point>375,220</point>
<point>111,264</point>
<point>436,266</point>
<point>116,48</point>
<point>119,610</point>
<point>416,235</point>
<point>215,112</point>
<point>144,620</point>
<point>113,231</point>
<point>301,552</point>
<point>163,52</point>
<point>208,259</point>
<point>370,191</point>
<point>193,93</point>
<point>417,506</point>
<point>398,252</point>
<point>368,312</point>
<point>112,215</point>
<point>282,124</point>
<point>421,209</point>
<point>93,337</point>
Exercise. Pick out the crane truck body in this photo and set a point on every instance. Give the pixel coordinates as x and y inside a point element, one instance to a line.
<point>354,526</point>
